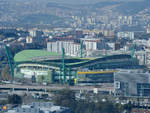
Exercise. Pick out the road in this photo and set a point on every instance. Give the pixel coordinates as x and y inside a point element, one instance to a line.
<point>52,88</point>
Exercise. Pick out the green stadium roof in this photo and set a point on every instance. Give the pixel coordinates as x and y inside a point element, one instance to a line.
<point>28,55</point>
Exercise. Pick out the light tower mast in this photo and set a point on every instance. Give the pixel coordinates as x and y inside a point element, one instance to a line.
<point>10,61</point>
<point>63,66</point>
<point>81,49</point>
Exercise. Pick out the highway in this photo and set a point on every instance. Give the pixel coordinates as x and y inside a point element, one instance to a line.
<point>9,87</point>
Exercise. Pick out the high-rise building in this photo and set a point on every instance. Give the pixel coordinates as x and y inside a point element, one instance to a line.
<point>71,48</point>
<point>35,33</point>
<point>108,33</point>
<point>128,20</point>
<point>129,35</point>
<point>91,43</point>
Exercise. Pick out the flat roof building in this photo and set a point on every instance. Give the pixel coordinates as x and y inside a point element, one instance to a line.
<point>132,84</point>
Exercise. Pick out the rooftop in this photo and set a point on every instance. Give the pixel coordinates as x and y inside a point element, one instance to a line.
<point>29,55</point>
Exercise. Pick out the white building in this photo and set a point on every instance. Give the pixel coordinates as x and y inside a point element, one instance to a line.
<point>148,30</point>
<point>29,39</point>
<point>108,33</point>
<point>125,20</point>
<point>71,48</point>
<point>40,107</point>
<point>141,42</point>
<point>91,43</point>
<point>32,32</point>
<point>35,33</point>
<point>28,73</point>
<point>129,35</point>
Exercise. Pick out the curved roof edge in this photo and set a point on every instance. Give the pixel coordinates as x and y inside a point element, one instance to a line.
<point>29,55</point>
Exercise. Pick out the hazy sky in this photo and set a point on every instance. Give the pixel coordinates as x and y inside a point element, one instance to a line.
<point>74,1</point>
<point>86,1</point>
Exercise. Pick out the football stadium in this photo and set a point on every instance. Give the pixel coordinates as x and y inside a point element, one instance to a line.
<point>52,67</point>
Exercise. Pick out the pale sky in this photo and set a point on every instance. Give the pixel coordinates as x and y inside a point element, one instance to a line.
<point>86,1</point>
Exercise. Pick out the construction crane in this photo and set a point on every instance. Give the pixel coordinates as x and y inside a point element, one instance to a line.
<point>10,61</point>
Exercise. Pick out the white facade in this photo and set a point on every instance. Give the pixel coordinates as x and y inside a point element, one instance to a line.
<point>125,20</point>
<point>142,42</point>
<point>35,33</point>
<point>39,107</point>
<point>32,33</point>
<point>71,48</point>
<point>129,35</point>
<point>148,30</point>
<point>29,39</point>
<point>108,33</point>
<point>91,43</point>
<point>28,73</point>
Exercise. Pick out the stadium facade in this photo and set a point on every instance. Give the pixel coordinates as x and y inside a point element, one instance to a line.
<point>48,66</point>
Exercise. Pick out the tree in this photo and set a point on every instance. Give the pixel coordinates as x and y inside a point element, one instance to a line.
<point>14,99</point>
<point>2,37</point>
<point>128,107</point>
<point>5,73</point>
<point>3,102</point>
<point>65,98</point>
